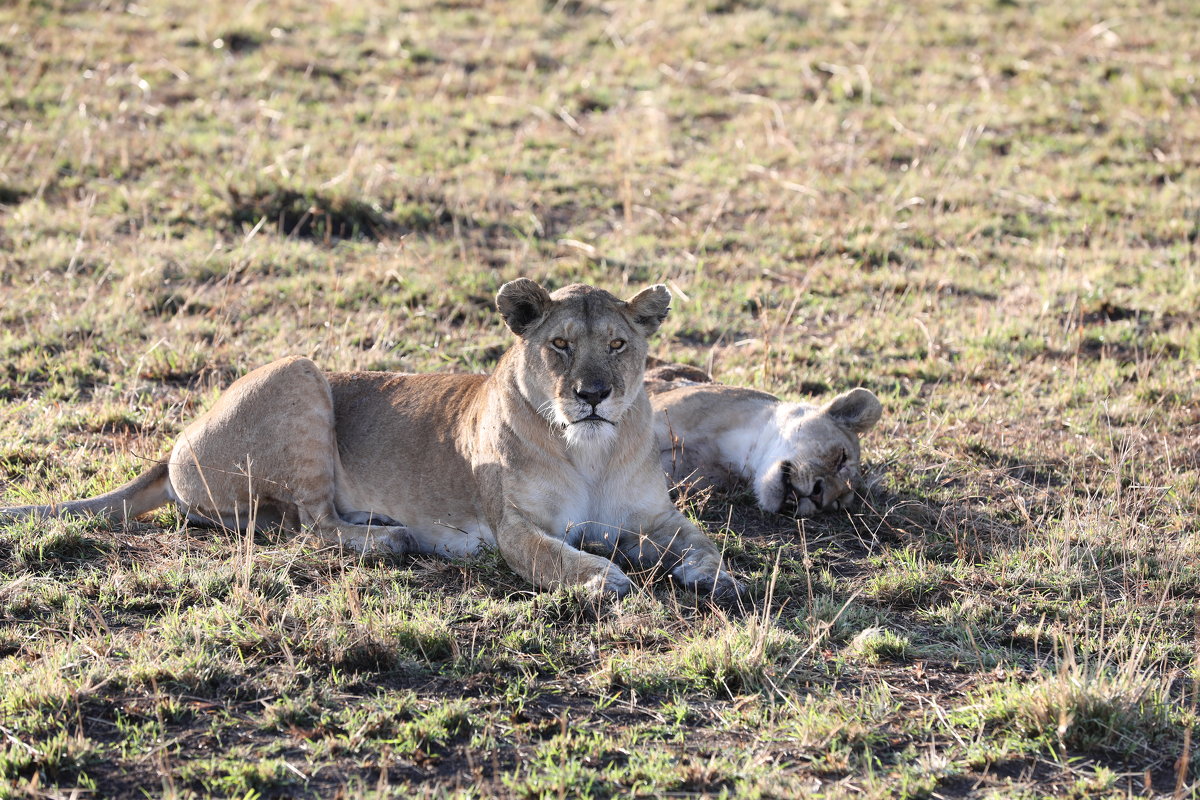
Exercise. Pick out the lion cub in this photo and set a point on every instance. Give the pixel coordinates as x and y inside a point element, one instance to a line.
<point>799,459</point>
<point>552,453</point>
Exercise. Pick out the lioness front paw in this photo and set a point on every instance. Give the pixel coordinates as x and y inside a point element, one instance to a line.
<point>710,581</point>
<point>726,588</point>
<point>395,539</point>
<point>612,582</point>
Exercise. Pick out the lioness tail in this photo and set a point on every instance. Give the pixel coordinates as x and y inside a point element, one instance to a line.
<point>144,493</point>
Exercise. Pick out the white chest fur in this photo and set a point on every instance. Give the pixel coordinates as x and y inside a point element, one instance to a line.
<point>592,496</point>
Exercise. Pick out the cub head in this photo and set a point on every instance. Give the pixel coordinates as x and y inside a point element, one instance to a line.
<point>580,352</point>
<point>816,466</point>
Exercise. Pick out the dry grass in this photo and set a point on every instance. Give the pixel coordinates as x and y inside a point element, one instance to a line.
<point>986,213</point>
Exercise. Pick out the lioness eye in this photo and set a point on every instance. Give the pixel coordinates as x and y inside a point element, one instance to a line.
<point>560,343</point>
<point>616,344</point>
<point>842,460</point>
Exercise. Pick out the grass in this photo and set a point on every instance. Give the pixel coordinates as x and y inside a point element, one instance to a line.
<point>985,213</point>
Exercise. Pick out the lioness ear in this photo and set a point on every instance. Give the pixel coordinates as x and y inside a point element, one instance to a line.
<point>856,410</point>
<point>522,303</point>
<point>649,307</point>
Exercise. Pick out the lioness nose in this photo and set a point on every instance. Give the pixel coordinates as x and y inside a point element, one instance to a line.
<point>593,393</point>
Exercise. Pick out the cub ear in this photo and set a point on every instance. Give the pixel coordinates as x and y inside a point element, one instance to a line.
<point>522,303</point>
<point>856,410</point>
<point>649,307</point>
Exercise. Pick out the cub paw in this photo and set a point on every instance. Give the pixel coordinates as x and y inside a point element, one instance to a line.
<point>372,518</point>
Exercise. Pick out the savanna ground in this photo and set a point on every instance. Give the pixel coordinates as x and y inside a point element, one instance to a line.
<point>986,212</point>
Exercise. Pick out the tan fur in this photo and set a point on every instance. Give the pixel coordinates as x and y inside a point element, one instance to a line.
<point>798,459</point>
<point>551,454</point>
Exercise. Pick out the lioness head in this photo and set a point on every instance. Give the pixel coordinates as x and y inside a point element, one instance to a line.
<point>581,352</point>
<point>819,469</point>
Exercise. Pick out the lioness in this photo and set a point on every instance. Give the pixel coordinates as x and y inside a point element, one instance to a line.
<point>799,459</point>
<point>551,453</point>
